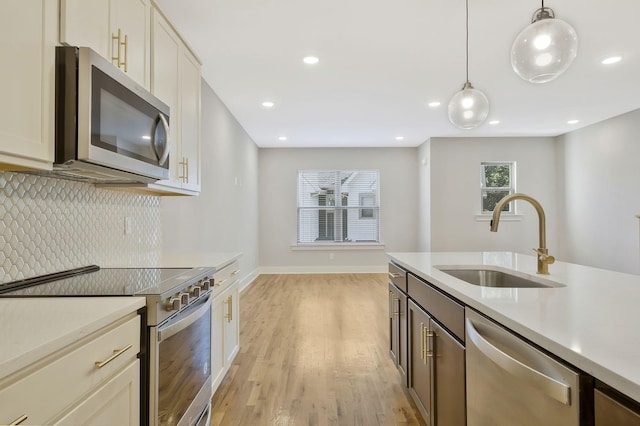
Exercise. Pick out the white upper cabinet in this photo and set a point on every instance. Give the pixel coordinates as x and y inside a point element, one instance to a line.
<point>29,31</point>
<point>119,30</point>
<point>175,79</point>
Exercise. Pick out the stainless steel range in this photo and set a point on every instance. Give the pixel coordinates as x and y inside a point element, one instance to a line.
<point>176,346</point>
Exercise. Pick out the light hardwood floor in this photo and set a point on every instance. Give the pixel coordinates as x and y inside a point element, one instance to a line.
<point>314,351</point>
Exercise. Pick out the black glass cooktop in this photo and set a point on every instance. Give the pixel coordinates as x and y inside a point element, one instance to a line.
<point>95,281</point>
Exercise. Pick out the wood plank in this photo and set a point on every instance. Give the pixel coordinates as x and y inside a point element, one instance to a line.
<point>314,351</point>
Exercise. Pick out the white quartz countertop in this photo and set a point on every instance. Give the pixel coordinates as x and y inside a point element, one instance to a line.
<point>32,328</point>
<point>194,259</point>
<point>592,322</point>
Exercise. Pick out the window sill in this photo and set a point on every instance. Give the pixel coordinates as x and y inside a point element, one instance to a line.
<point>503,217</point>
<point>337,246</point>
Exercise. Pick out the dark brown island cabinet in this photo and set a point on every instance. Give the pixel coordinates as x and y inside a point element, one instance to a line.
<point>427,345</point>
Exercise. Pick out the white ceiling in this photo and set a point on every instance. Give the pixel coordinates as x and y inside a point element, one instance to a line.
<point>383,61</point>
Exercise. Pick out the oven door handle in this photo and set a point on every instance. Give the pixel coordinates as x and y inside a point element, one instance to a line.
<point>168,331</point>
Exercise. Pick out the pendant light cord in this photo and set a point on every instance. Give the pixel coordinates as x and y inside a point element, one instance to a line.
<point>467,45</point>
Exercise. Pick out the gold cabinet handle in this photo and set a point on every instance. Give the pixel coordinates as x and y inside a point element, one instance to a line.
<point>396,312</point>
<point>119,62</point>
<point>221,282</point>
<point>393,275</point>
<point>229,316</point>
<point>236,272</point>
<point>185,170</point>
<point>429,351</point>
<point>19,420</point>
<point>126,55</point>
<point>116,354</point>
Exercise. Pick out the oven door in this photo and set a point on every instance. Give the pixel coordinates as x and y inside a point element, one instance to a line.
<point>180,370</point>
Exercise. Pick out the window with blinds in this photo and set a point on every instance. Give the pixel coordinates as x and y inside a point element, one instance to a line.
<point>338,206</point>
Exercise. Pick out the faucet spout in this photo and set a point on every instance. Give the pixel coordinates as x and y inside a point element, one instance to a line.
<point>544,260</point>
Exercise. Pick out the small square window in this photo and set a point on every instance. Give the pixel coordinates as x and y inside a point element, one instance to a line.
<point>497,180</point>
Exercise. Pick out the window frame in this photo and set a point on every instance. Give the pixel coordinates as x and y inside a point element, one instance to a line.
<point>346,212</point>
<point>511,189</point>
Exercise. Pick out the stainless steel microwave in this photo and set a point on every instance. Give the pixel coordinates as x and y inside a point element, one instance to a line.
<point>109,129</point>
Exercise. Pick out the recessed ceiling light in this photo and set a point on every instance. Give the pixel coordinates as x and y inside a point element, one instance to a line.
<point>494,122</point>
<point>268,104</point>
<point>434,104</point>
<point>573,121</point>
<point>399,138</point>
<point>311,60</point>
<point>282,138</point>
<point>611,60</point>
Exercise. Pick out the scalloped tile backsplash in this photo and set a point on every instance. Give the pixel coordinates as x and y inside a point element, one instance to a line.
<point>49,225</point>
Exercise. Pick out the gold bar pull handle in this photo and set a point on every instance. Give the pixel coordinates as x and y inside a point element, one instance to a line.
<point>126,50</point>
<point>429,335</point>
<point>236,272</point>
<point>119,62</point>
<point>229,316</point>
<point>19,420</point>
<point>115,51</point>
<point>116,354</point>
<point>182,174</point>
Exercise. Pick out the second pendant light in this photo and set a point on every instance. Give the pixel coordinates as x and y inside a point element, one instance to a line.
<point>469,107</point>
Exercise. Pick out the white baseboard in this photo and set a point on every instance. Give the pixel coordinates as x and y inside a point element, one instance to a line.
<point>331,269</point>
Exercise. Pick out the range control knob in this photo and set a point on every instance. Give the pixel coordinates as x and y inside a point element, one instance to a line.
<point>173,304</point>
<point>195,291</point>
<point>184,298</point>
<point>205,284</point>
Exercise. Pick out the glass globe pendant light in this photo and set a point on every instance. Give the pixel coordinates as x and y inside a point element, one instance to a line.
<point>469,107</point>
<point>544,49</point>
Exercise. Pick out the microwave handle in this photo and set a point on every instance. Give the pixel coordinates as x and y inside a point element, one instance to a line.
<point>167,146</point>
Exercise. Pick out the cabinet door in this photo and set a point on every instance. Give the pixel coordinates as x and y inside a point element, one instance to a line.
<point>27,82</point>
<point>449,387</point>
<point>117,402</point>
<point>86,23</point>
<point>420,377</point>
<point>217,341</point>
<point>190,120</point>
<point>133,18</point>
<point>394,338</point>
<point>165,83</point>
<point>231,323</point>
<point>611,412</point>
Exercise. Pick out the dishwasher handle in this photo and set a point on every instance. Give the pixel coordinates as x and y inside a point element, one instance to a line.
<point>553,388</point>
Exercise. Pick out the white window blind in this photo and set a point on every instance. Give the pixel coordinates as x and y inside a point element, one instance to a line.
<point>338,206</point>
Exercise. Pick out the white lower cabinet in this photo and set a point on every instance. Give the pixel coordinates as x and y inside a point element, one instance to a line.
<point>94,381</point>
<point>225,322</point>
<point>117,402</point>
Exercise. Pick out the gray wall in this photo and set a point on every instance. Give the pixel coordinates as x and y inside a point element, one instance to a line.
<point>599,167</point>
<point>224,218</point>
<point>455,193</point>
<point>398,207</point>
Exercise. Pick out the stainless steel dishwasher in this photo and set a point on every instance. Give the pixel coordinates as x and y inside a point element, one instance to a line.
<point>510,382</point>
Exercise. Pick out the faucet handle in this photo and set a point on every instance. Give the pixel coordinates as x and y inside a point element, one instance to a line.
<point>544,257</point>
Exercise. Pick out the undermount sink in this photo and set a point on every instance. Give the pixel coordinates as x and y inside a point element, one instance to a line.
<point>491,276</point>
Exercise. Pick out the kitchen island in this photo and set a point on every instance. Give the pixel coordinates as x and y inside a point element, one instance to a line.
<point>590,320</point>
